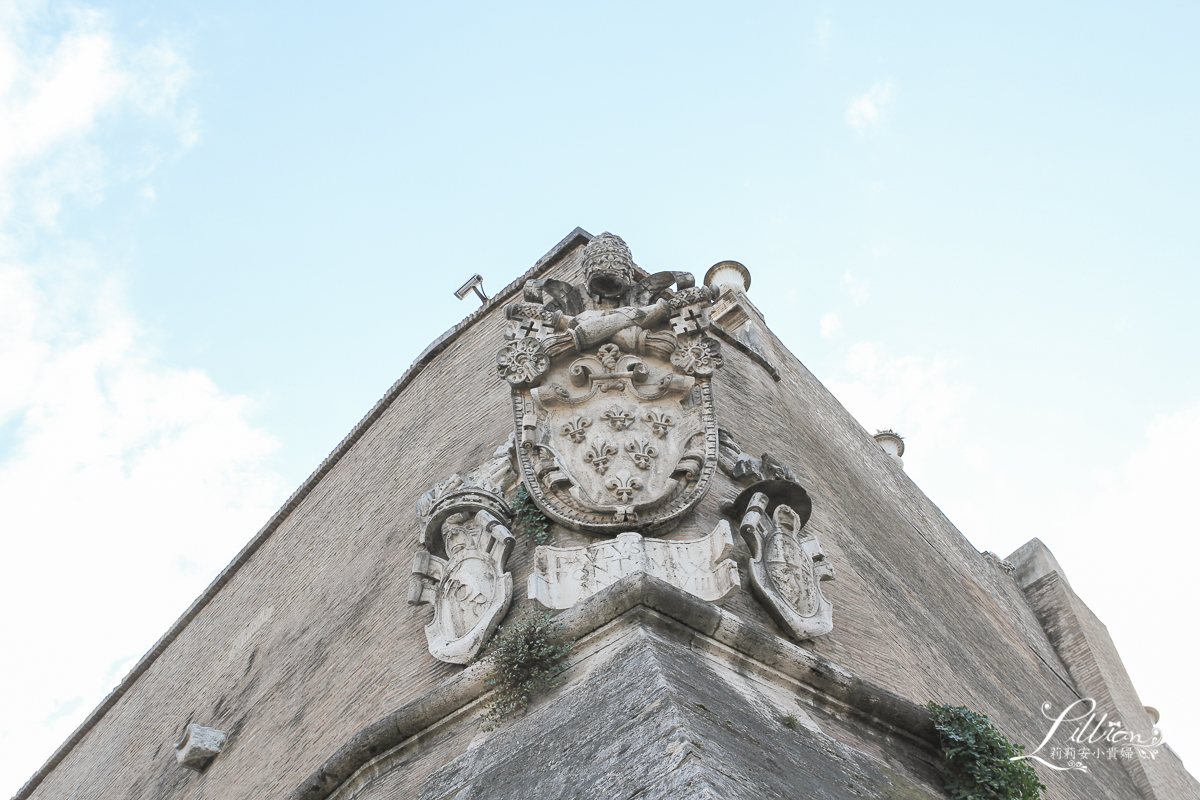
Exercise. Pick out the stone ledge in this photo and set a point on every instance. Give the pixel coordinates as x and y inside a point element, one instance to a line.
<point>739,345</point>
<point>877,705</point>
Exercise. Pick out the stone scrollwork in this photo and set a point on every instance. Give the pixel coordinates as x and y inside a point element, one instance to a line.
<point>787,565</point>
<point>635,359</point>
<point>461,569</point>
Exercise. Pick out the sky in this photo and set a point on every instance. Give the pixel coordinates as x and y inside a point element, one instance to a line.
<point>227,228</point>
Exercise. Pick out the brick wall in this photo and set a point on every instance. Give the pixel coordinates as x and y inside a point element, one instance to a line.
<point>310,639</point>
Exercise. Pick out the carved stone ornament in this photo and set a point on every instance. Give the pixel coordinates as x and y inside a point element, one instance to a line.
<point>787,566</point>
<point>608,267</point>
<point>522,361</point>
<point>461,568</point>
<point>745,468</point>
<point>1004,564</point>
<point>562,576</point>
<point>611,394</point>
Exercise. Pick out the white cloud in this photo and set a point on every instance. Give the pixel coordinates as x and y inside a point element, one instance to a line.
<point>824,33</point>
<point>869,111</point>
<point>1129,544</point>
<point>125,483</point>
<point>48,96</point>
<point>1129,548</point>
<point>910,395</point>
<point>858,289</point>
<point>831,325</point>
<point>56,87</point>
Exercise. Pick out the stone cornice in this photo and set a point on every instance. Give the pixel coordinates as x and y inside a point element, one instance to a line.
<point>872,704</point>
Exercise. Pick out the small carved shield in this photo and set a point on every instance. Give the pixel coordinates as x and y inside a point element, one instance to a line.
<point>470,589</point>
<point>461,567</point>
<point>787,566</point>
<point>790,570</point>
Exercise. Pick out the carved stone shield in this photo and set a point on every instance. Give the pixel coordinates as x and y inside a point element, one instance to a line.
<point>612,400</point>
<point>616,441</point>
<point>470,591</point>
<point>475,590</point>
<point>472,586</point>
<point>461,567</point>
<point>790,571</point>
<point>787,566</point>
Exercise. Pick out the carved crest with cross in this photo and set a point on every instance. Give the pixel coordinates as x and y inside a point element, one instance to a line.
<point>611,392</point>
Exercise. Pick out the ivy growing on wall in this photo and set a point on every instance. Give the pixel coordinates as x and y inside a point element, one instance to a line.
<point>525,655</point>
<point>529,517</point>
<point>976,758</point>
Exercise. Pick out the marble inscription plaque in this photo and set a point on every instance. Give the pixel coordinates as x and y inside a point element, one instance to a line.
<point>562,576</point>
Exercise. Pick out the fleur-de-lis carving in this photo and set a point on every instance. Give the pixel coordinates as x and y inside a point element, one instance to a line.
<point>576,429</point>
<point>598,455</point>
<point>618,419</point>
<point>642,453</point>
<point>660,422</point>
<point>608,355</point>
<point>623,486</point>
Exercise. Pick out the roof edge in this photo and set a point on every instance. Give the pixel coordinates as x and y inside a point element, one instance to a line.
<point>553,256</point>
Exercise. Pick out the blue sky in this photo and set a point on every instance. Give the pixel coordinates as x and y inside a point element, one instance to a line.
<point>226,229</point>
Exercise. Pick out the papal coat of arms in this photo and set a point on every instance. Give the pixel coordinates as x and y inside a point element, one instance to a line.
<point>611,393</point>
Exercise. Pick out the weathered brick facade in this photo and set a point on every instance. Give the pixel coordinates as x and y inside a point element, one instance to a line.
<point>306,640</point>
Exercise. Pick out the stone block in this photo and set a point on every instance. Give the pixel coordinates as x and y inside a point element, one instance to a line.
<point>199,746</point>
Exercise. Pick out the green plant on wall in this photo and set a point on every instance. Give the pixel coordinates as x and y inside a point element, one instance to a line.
<point>529,517</point>
<point>525,655</point>
<point>977,759</point>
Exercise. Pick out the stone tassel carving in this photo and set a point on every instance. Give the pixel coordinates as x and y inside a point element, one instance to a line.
<point>461,569</point>
<point>787,567</point>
